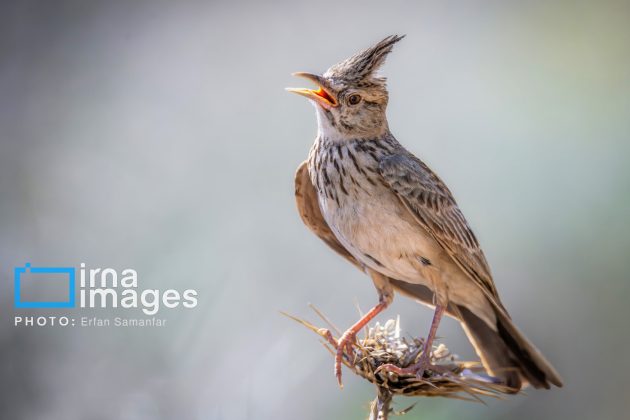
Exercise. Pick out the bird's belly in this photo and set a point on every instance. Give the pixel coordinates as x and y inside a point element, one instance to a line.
<point>378,231</point>
<point>381,234</point>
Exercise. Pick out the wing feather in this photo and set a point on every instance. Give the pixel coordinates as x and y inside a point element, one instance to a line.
<point>433,206</point>
<point>308,207</point>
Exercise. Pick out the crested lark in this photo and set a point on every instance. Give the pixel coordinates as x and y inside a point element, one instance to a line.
<point>387,213</point>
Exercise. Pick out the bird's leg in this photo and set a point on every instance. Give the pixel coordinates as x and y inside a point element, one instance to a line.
<point>424,361</point>
<point>386,296</point>
<point>348,337</point>
<point>425,357</point>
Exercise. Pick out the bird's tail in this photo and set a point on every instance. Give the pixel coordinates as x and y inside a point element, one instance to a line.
<point>504,351</point>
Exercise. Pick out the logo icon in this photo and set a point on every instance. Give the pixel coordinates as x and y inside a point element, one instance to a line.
<point>44,274</point>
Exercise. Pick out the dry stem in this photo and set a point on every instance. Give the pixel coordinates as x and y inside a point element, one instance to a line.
<point>384,344</point>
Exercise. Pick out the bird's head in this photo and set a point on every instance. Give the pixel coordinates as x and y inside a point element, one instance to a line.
<point>351,97</point>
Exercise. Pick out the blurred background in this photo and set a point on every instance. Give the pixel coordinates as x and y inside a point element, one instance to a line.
<point>156,135</point>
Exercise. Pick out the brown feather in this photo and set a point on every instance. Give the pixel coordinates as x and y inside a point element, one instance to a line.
<point>500,351</point>
<point>505,347</point>
<point>428,199</point>
<point>308,207</point>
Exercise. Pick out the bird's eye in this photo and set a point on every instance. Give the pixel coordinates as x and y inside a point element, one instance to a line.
<point>354,99</point>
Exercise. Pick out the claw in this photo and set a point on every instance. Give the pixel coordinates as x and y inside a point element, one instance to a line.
<point>417,369</point>
<point>345,342</point>
<point>389,367</point>
<point>347,339</point>
<point>325,332</point>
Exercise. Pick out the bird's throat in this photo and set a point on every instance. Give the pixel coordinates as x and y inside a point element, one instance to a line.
<point>330,128</point>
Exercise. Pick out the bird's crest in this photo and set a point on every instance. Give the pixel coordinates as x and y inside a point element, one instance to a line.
<point>363,65</point>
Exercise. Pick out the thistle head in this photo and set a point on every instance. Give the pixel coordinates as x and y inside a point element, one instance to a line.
<point>351,97</point>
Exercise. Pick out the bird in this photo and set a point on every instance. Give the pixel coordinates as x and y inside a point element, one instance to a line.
<point>386,212</point>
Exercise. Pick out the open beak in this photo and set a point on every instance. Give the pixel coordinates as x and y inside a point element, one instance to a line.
<point>322,95</point>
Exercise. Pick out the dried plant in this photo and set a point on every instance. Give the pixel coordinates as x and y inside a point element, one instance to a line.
<point>383,344</point>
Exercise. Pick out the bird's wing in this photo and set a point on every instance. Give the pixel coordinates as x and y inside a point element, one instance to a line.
<point>308,207</point>
<point>433,206</point>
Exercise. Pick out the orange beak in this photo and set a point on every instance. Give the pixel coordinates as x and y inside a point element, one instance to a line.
<point>323,93</point>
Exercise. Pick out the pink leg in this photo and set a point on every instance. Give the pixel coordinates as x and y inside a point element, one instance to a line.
<point>437,317</point>
<point>420,366</point>
<point>348,337</point>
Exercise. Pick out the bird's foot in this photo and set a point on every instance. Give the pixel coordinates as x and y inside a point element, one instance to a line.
<point>418,369</point>
<point>347,339</point>
<point>345,343</point>
<point>325,333</point>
